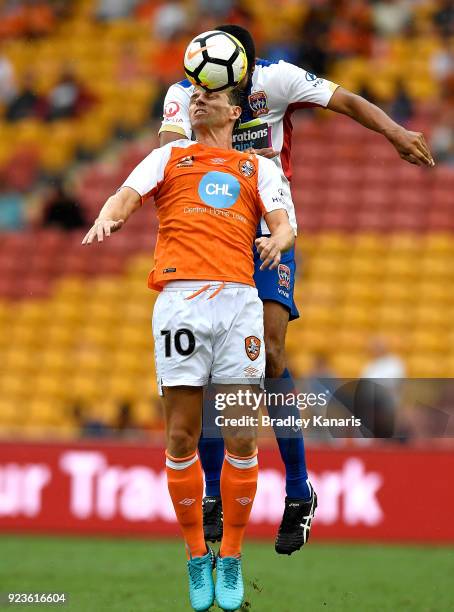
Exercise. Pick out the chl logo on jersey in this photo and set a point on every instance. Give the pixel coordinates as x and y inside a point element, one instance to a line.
<point>252,345</point>
<point>247,168</point>
<point>258,103</point>
<point>284,275</point>
<point>219,189</point>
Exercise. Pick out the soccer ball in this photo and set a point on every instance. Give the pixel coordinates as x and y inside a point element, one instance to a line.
<point>215,61</point>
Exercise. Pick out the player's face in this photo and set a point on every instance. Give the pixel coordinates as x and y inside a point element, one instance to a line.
<point>211,110</point>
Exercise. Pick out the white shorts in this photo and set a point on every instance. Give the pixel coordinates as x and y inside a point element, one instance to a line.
<point>217,333</point>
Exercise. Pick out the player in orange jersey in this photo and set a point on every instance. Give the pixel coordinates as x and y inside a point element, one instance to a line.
<point>208,319</point>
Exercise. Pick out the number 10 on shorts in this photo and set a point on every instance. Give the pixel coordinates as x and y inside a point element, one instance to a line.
<point>183,340</point>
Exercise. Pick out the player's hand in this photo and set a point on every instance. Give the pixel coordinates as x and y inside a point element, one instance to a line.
<point>101,228</point>
<point>411,147</point>
<point>269,252</point>
<point>269,152</point>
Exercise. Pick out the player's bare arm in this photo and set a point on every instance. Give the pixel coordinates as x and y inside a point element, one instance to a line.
<point>282,239</point>
<point>113,214</point>
<point>167,136</point>
<point>411,146</point>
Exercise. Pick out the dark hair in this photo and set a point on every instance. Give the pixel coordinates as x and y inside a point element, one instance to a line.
<point>245,38</point>
<point>235,96</point>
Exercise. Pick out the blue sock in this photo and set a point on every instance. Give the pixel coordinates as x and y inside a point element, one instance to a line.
<point>211,451</point>
<point>292,448</point>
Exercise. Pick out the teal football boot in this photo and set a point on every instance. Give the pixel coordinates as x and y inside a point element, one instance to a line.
<point>201,585</point>
<point>229,583</point>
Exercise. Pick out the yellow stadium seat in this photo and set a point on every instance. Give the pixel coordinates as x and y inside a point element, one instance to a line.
<point>89,360</point>
<point>316,291</point>
<point>422,88</point>
<point>427,316</point>
<point>367,243</point>
<point>319,316</point>
<point>405,243</point>
<point>362,266</point>
<point>326,267</point>
<point>332,243</point>
<point>131,362</point>
<point>58,334</point>
<point>139,311</point>
<point>356,291</point>
<point>55,361</point>
<point>145,412</point>
<point>301,363</point>
<point>393,317</point>
<point>348,365</point>
<point>71,288</point>
<point>356,316</point>
<point>103,311</point>
<point>448,364</point>
<point>433,292</point>
<point>346,339</point>
<point>44,411</point>
<point>424,340</point>
<point>383,86</point>
<point>24,335</point>
<point>438,242</point>
<point>55,158</point>
<point>66,311</point>
<point>14,385</point>
<point>49,387</point>
<point>20,360</point>
<point>33,313</point>
<point>105,409</point>
<point>426,365</point>
<point>97,333</point>
<point>124,388</point>
<point>9,411</point>
<point>431,267</point>
<point>86,388</point>
<point>395,290</point>
<point>400,266</point>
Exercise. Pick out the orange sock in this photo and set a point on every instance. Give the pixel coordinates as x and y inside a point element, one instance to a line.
<point>238,486</point>
<point>185,482</point>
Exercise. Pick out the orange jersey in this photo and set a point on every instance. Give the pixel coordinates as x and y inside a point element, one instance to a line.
<point>209,202</point>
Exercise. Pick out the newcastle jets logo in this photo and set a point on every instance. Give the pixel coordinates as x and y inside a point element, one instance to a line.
<point>284,275</point>
<point>247,168</point>
<point>252,345</point>
<point>258,103</point>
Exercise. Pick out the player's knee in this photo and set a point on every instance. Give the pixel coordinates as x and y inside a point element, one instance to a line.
<point>181,442</point>
<point>241,446</point>
<point>275,358</point>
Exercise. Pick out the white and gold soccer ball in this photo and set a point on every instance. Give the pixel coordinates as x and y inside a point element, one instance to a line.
<point>215,61</point>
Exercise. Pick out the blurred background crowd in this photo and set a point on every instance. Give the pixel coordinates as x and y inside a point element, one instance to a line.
<point>81,91</point>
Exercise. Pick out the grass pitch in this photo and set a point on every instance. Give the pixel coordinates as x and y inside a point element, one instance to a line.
<point>150,576</point>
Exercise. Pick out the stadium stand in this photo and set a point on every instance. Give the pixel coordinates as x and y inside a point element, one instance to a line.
<point>376,251</point>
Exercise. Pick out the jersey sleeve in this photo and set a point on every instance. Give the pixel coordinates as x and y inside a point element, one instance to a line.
<point>304,88</point>
<point>149,174</point>
<point>269,186</point>
<point>175,116</point>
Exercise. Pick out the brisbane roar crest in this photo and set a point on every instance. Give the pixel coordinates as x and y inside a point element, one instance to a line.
<point>252,345</point>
